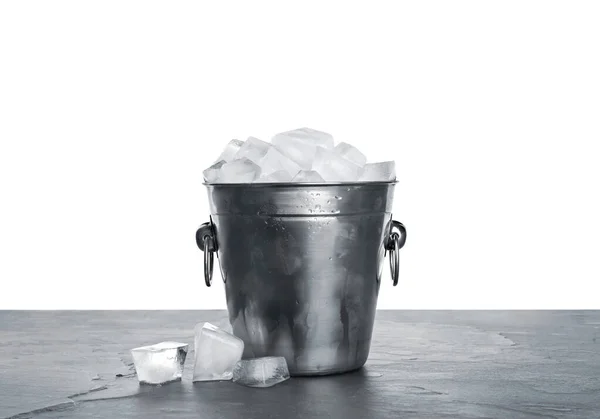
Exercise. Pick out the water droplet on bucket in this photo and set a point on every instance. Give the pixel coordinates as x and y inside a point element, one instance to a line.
<point>330,258</point>
<point>310,210</point>
<point>335,211</point>
<point>339,197</point>
<point>317,207</point>
<point>328,201</point>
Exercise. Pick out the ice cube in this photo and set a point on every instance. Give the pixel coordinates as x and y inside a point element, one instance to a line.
<point>278,176</point>
<point>261,372</point>
<point>239,171</point>
<point>212,173</point>
<point>301,145</point>
<point>160,363</point>
<point>318,138</point>
<point>230,150</point>
<point>383,172</point>
<point>334,168</point>
<point>253,149</point>
<point>216,353</point>
<point>224,325</point>
<point>351,153</point>
<point>274,161</point>
<point>308,176</point>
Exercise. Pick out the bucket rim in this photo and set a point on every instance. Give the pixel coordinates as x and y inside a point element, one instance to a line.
<point>301,184</point>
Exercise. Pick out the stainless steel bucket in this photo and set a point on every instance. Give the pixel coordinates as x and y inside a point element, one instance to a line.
<point>302,265</point>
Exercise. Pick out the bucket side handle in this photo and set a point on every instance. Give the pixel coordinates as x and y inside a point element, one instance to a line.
<point>394,242</point>
<point>206,241</point>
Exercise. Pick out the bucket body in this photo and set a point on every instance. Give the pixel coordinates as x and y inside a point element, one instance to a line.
<point>302,265</point>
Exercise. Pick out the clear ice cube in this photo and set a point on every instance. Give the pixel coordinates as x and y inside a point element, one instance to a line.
<point>253,149</point>
<point>216,353</point>
<point>351,153</point>
<point>212,173</point>
<point>230,150</point>
<point>308,176</point>
<point>301,145</point>
<point>160,363</point>
<point>261,372</point>
<point>239,171</point>
<point>382,172</point>
<point>335,168</point>
<point>274,161</point>
<point>318,138</point>
<point>278,176</point>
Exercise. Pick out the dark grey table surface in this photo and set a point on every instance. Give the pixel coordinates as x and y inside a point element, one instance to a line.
<point>423,364</point>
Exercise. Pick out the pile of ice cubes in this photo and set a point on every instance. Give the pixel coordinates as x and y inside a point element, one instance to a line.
<point>300,155</point>
<point>217,357</point>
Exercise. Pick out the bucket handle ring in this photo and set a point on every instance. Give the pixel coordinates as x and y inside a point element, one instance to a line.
<point>395,242</point>
<point>206,241</point>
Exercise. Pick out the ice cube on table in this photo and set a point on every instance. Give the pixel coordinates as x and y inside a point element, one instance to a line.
<point>160,363</point>
<point>301,144</point>
<point>230,150</point>
<point>334,168</point>
<point>308,176</point>
<point>261,372</point>
<point>274,161</point>
<point>351,153</point>
<point>382,172</point>
<point>239,171</point>
<point>278,176</point>
<point>253,149</point>
<point>212,173</point>
<point>216,353</point>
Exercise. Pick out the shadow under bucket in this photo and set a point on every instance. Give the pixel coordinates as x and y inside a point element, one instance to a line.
<point>302,266</point>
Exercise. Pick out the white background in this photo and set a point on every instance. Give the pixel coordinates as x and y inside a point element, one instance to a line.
<point>110,110</point>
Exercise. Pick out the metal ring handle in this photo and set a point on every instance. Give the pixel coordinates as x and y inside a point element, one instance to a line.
<point>206,241</point>
<point>393,243</point>
<point>395,258</point>
<point>208,260</point>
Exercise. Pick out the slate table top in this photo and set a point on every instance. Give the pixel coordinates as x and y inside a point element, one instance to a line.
<point>422,364</point>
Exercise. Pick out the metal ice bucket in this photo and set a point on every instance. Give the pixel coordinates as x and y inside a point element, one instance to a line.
<point>302,266</point>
